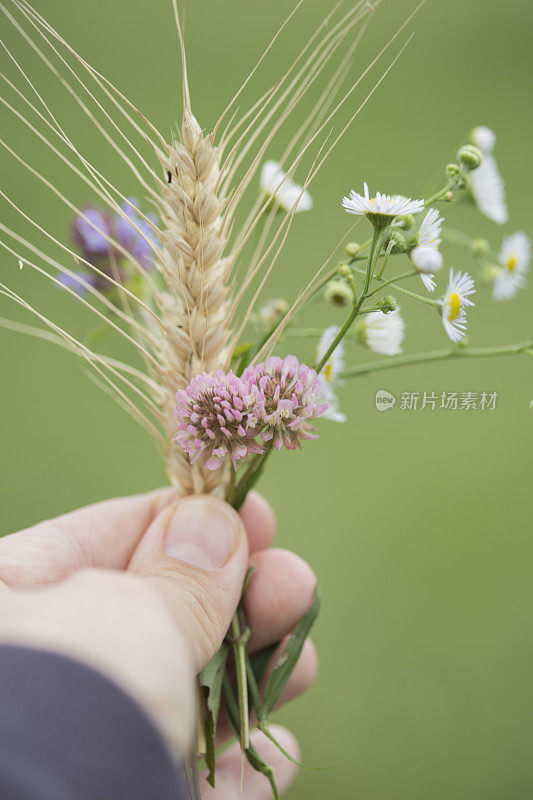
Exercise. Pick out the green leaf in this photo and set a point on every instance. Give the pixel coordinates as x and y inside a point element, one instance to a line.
<point>211,679</point>
<point>287,661</point>
<point>261,660</point>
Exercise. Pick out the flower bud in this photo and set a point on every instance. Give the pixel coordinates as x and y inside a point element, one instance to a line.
<point>344,271</point>
<point>405,222</point>
<point>273,312</point>
<point>453,171</point>
<point>447,197</point>
<point>426,259</point>
<point>352,249</point>
<point>397,240</point>
<point>489,273</point>
<point>387,304</point>
<point>470,155</point>
<point>480,247</point>
<point>338,294</point>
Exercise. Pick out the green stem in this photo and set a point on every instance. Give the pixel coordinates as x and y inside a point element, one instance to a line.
<point>394,280</point>
<point>406,291</point>
<point>252,474</point>
<point>438,355</point>
<point>375,248</point>
<point>239,640</point>
<point>386,259</point>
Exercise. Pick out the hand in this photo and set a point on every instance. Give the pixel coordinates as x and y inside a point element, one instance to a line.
<point>143,589</point>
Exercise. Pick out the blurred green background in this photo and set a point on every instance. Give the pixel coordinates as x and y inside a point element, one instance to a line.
<point>418,523</point>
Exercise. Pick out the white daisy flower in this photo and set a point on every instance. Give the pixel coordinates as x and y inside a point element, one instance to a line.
<point>381,209</point>
<point>514,264</point>
<point>430,231</point>
<point>329,377</point>
<point>487,184</point>
<point>429,282</point>
<point>283,190</point>
<point>383,333</point>
<point>484,138</point>
<point>426,259</point>
<point>455,302</point>
<point>426,256</point>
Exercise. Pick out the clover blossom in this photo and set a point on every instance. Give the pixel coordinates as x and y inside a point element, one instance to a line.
<point>213,419</point>
<point>221,416</point>
<point>286,395</point>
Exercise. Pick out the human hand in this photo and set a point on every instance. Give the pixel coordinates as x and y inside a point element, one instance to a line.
<point>143,589</point>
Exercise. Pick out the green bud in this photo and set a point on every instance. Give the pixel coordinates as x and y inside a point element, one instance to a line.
<point>453,171</point>
<point>470,156</point>
<point>352,249</point>
<point>447,197</point>
<point>344,271</point>
<point>464,342</point>
<point>405,222</point>
<point>398,241</point>
<point>387,304</point>
<point>489,273</point>
<point>480,247</point>
<point>338,294</point>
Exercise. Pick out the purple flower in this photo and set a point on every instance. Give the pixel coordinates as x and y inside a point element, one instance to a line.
<point>78,282</point>
<point>130,238</point>
<point>91,241</point>
<point>286,395</point>
<point>213,419</point>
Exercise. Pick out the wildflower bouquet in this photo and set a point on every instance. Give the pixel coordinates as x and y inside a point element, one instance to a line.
<point>212,377</point>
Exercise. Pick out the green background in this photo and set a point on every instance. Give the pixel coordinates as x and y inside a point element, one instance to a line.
<point>418,523</point>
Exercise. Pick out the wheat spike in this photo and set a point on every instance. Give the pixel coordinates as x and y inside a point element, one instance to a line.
<point>194,311</point>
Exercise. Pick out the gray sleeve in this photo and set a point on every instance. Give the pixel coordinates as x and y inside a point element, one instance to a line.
<point>69,733</point>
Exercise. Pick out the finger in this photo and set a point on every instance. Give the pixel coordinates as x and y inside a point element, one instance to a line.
<point>279,593</point>
<point>254,784</point>
<point>259,520</point>
<point>195,554</point>
<point>101,535</point>
<point>301,679</point>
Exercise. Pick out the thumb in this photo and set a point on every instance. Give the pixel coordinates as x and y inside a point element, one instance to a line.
<point>195,554</point>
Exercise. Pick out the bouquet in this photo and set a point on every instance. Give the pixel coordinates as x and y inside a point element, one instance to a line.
<point>214,375</point>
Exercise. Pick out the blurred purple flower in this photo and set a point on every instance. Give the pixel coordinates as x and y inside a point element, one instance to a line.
<point>92,242</point>
<point>78,282</point>
<point>130,238</point>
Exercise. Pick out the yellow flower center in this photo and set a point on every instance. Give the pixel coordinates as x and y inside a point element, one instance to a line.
<point>455,306</point>
<point>327,372</point>
<point>511,263</point>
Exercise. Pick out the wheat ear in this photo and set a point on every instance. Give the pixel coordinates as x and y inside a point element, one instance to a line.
<point>195,310</point>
